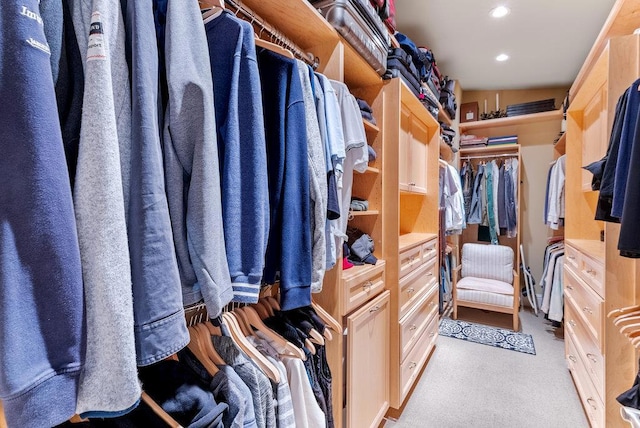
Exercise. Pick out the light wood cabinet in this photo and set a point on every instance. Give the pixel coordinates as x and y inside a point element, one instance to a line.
<point>596,278</point>
<point>414,136</point>
<point>368,363</point>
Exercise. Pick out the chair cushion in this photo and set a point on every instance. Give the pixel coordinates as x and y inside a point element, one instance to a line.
<point>484,284</point>
<point>484,297</point>
<point>488,261</point>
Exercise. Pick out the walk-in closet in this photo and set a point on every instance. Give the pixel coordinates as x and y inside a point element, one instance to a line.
<point>319,213</point>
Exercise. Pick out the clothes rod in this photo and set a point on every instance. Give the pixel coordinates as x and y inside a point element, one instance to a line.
<point>274,34</point>
<point>511,155</point>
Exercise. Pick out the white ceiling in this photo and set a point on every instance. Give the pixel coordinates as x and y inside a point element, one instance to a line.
<point>547,40</point>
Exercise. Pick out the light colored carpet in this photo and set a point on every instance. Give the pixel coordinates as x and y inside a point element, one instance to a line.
<point>467,384</point>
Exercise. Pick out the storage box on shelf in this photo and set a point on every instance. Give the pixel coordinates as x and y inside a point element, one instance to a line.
<point>597,279</point>
<point>410,210</point>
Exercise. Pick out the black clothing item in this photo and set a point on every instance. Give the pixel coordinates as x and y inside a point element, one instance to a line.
<point>318,393</point>
<point>631,397</point>
<point>177,390</point>
<point>629,240</point>
<point>605,198</point>
<point>323,377</point>
<point>140,417</point>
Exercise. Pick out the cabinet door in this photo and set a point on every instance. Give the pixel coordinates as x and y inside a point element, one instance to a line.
<point>419,140</point>
<point>404,148</point>
<point>368,363</point>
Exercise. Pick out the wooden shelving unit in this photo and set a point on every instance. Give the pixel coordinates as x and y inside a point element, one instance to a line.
<point>370,127</point>
<point>524,119</point>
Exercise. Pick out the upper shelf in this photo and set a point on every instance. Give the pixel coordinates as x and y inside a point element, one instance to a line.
<point>511,121</point>
<point>303,23</point>
<point>490,150</point>
<point>442,114</point>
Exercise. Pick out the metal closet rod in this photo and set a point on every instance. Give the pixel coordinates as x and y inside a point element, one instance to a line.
<point>254,18</point>
<point>489,156</point>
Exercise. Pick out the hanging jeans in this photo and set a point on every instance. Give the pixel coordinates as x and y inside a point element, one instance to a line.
<point>475,210</point>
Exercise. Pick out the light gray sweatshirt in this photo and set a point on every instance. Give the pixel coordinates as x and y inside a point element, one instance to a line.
<point>191,161</point>
<point>317,181</point>
<point>109,380</point>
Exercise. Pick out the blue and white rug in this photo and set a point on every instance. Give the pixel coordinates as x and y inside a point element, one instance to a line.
<point>492,336</point>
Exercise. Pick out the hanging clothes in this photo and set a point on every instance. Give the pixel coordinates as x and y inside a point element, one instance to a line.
<point>551,281</point>
<point>454,202</point>
<point>157,297</point>
<point>242,151</point>
<point>109,383</point>
<point>42,334</point>
<point>556,194</point>
<point>467,178</point>
<point>286,137</point>
<point>477,202</point>
<point>192,174</point>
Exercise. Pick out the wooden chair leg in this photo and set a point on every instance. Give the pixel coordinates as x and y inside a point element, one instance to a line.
<point>455,311</point>
<point>515,321</point>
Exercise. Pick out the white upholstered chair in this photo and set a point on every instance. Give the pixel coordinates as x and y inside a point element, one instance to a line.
<point>485,279</point>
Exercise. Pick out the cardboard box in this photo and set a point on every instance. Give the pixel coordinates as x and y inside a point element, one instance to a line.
<point>469,112</point>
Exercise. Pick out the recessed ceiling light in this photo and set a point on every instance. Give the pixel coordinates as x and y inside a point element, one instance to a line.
<point>502,57</point>
<point>499,12</point>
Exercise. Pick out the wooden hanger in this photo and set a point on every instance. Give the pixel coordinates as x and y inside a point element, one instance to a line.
<point>327,318</point>
<point>272,46</point>
<point>284,346</point>
<point>262,308</point>
<point>205,338</point>
<point>238,337</point>
<point>273,302</point>
<point>197,348</point>
<point>155,407</point>
<point>213,329</point>
<point>623,311</point>
<point>625,320</point>
<point>630,328</point>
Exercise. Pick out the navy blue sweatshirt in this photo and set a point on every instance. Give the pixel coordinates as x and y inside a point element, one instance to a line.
<point>289,245</point>
<point>41,300</point>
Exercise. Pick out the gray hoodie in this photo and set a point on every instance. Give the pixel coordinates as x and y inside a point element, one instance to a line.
<point>109,380</point>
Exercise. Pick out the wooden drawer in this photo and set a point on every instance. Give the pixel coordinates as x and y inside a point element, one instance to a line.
<point>572,257</point>
<point>589,306</point>
<point>586,349</point>
<point>429,250</point>
<point>414,285</point>
<point>410,260</point>
<point>363,286</point>
<point>592,272</point>
<point>416,321</point>
<point>593,405</point>
<point>413,363</point>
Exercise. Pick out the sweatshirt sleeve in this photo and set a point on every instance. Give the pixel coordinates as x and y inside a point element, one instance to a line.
<point>191,161</point>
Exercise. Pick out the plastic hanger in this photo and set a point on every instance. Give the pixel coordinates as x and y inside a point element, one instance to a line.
<point>197,348</point>
<point>238,337</point>
<point>155,407</point>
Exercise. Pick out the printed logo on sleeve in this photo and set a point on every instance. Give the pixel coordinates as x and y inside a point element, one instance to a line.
<point>34,43</point>
<point>96,50</point>
<point>31,15</point>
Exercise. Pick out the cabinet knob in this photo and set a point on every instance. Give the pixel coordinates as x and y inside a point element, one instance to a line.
<point>411,290</point>
<point>413,327</point>
<point>592,358</point>
<point>592,403</point>
<point>374,309</point>
<point>572,358</point>
<point>367,286</point>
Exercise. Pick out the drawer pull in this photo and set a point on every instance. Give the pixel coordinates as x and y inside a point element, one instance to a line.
<point>432,334</point>
<point>367,286</point>
<point>592,358</point>
<point>411,290</point>
<point>572,358</point>
<point>591,272</point>
<point>572,323</point>
<point>572,257</point>
<point>592,402</point>
<point>413,365</point>
<point>587,310</point>
<point>569,287</point>
<point>412,259</point>
<point>430,274</point>
<point>413,327</point>
<point>376,308</point>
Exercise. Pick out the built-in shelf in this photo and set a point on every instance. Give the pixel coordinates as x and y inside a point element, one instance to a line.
<point>443,116</point>
<point>591,247</point>
<point>360,269</point>
<point>490,150</point>
<point>304,25</point>
<point>510,121</point>
<point>370,127</point>
<point>409,240</point>
<point>363,213</point>
<point>358,73</point>
<point>561,144</point>
<point>371,170</point>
